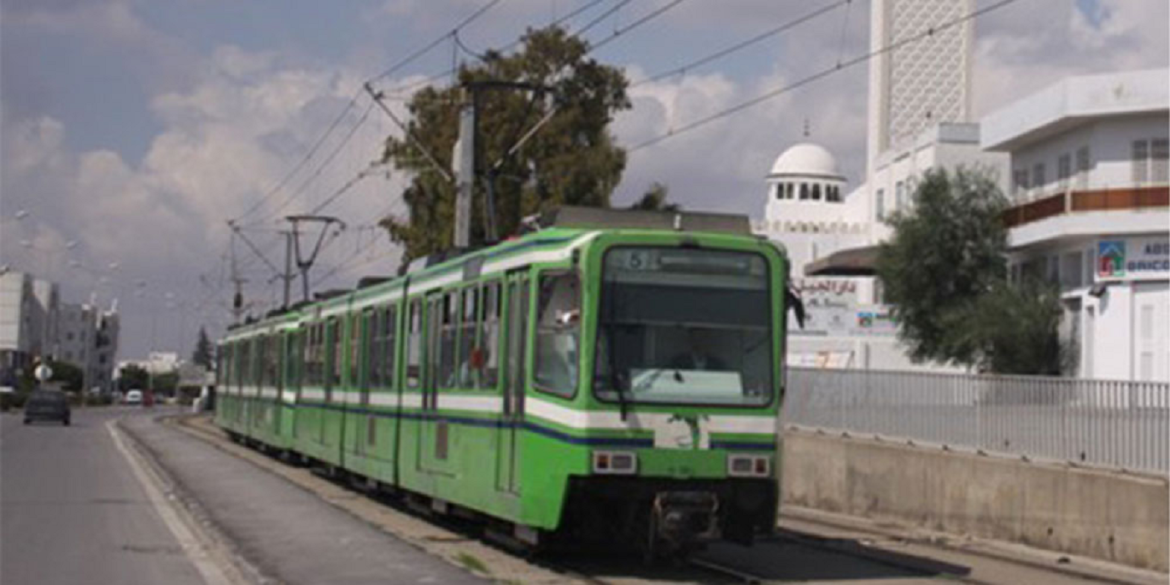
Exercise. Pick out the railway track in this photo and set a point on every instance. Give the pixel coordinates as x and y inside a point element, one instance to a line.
<point>809,553</point>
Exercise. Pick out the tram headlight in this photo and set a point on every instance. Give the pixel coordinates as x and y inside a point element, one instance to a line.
<point>749,465</point>
<point>615,462</point>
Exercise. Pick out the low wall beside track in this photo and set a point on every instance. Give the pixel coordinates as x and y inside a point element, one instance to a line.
<point>1109,515</point>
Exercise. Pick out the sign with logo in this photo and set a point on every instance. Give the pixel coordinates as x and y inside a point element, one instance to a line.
<point>1133,258</point>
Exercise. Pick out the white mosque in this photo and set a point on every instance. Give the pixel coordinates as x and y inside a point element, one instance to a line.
<point>919,117</point>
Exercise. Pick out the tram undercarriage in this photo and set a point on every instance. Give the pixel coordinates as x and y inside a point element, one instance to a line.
<point>666,517</point>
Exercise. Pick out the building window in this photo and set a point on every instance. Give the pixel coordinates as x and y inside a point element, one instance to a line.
<point>1063,171</point>
<point>1071,275</point>
<point>881,204</point>
<point>1160,160</point>
<point>1019,183</point>
<point>1083,167</point>
<point>899,194</point>
<point>816,192</point>
<point>1141,156</point>
<point>803,191</point>
<point>1038,180</point>
<point>779,190</point>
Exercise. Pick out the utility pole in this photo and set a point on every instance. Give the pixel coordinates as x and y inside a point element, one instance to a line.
<point>288,275</point>
<point>464,156</point>
<point>238,297</point>
<point>303,264</point>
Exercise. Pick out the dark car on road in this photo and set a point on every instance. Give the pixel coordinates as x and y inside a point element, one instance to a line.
<point>47,405</point>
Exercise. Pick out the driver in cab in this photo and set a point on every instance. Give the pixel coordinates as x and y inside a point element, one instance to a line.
<point>696,356</point>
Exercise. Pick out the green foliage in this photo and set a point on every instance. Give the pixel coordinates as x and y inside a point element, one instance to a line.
<point>204,354</point>
<point>1017,327</point>
<point>133,377</point>
<point>945,275</point>
<point>945,253</point>
<point>70,376</point>
<point>655,200</point>
<point>572,159</point>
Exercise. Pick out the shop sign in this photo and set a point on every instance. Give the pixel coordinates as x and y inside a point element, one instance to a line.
<point>1133,258</point>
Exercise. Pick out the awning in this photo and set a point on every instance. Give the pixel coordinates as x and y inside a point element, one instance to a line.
<point>851,262</point>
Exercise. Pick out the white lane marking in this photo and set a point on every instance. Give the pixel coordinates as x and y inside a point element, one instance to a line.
<point>211,574</point>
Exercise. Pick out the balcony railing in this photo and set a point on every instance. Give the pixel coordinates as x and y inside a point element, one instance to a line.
<point>1080,201</point>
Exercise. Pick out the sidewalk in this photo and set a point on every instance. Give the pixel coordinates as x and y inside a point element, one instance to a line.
<point>286,533</point>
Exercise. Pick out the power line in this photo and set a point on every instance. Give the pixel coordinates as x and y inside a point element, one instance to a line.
<point>621,31</point>
<point>929,32</point>
<point>308,155</point>
<point>682,69</point>
<point>424,50</point>
<point>332,155</point>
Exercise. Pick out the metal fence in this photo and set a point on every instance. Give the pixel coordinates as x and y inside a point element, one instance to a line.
<point>1093,422</point>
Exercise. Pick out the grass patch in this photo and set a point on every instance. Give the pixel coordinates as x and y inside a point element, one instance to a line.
<point>472,563</point>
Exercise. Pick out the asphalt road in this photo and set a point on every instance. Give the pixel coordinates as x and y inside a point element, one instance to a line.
<point>73,511</point>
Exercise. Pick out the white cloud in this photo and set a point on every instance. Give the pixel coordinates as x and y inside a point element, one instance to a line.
<point>225,143</point>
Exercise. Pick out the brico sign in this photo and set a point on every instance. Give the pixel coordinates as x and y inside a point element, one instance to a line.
<point>1133,258</point>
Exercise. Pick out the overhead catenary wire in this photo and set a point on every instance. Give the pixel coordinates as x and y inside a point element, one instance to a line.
<point>438,41</point>
<point>839,66</point>
<point>682,69</point>
<point>305,159</point>
<point>321,168</point>
<point>644,19</point>
<point>400,90</point>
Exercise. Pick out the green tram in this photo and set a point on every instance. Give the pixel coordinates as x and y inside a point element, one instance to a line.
<point>612,376</point>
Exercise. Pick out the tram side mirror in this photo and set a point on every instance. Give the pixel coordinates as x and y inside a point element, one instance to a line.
<point>795,304</point>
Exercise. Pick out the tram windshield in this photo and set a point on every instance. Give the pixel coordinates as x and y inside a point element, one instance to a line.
<point>684,326</point>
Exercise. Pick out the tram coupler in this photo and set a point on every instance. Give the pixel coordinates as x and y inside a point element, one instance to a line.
<point>683,518</point>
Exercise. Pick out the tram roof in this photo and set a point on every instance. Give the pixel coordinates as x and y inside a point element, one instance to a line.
<point>561,225</point>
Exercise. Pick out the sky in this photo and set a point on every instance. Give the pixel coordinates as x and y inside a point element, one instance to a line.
<point>131,131</point>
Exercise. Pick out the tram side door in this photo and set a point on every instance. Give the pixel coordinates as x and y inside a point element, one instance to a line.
<point>509,454</point>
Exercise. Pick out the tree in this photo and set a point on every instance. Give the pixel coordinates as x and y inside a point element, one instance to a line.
<point>655,199</point>
<point>944,273</point>
<point>1018,326</point>
<point>571,159</point>
<point>133,377</point>
<point>70,376</point>
<point>204,354</point>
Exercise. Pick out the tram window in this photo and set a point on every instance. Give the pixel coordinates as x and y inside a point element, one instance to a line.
<point>308,346</point>
<point>489,337</point>
<point>292,359</point>
<point>414,345</point>
<point>447,342</point>
<point>389,348</point>
<point>373,344</point>
<point>271,360</point>
<point>333,333</point>
<point>557,334</point>
<point>355,351</point>
<point>470,357</point>
<point>245,363</point>
<point>431,337</point>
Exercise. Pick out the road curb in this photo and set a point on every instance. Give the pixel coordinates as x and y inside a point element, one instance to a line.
<point>423,534</point>
<point>217,546</point>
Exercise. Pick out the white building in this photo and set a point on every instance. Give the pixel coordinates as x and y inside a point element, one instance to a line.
<point>35,324</point>
<point>1090,176</point>
<point>919,109</point>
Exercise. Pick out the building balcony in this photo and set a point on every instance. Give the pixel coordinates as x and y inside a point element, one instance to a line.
<point>1130,198</point>
<point>1088,213</point>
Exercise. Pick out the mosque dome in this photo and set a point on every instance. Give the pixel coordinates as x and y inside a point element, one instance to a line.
<point>808,160</point>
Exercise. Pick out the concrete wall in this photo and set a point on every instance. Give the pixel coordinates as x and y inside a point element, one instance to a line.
<point>1111,516</point>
